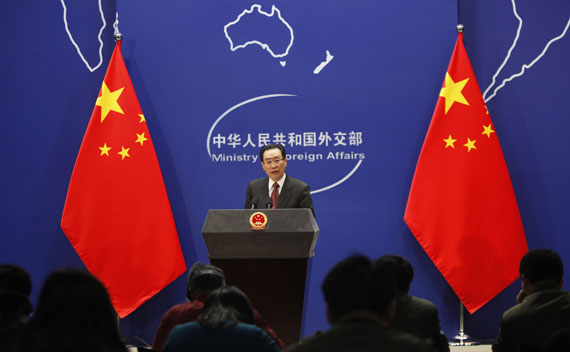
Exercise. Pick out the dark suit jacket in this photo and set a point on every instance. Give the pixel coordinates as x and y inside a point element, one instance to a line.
<point>419,317</point>
<point>295,194</point>
<point>357,332</point>
<point>528,325</point>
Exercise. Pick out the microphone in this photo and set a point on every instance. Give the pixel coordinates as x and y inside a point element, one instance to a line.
<point>254,203</point>
<point>269,203</point>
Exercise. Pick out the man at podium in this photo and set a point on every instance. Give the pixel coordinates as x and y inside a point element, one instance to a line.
<point>277,190</point>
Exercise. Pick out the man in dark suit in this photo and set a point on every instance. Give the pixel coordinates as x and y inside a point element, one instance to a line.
<point>415,315</point>
<point>360,305</point>
<point>284,190</point>
<point>543,307</point>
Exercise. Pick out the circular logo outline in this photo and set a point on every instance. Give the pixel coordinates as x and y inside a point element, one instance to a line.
<point>258,221</point>
<point>346,177</point>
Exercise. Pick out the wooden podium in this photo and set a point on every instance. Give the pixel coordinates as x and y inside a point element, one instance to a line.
<point>269,265</point>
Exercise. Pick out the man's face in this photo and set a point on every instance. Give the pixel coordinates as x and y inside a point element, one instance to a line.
<point>274,164</point>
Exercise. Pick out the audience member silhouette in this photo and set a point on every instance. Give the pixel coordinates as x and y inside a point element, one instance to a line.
<point>543,307</point>
<point>74,313</point>
<point>225,324</point>
<point>360,298</point>
<point>415,315</point>
<point>202,280</point>
<point>15,289</point>
<point>15,306</point>
<point>368,306</point>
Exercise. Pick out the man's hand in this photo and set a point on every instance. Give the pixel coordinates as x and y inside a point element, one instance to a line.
<point>521,295</point>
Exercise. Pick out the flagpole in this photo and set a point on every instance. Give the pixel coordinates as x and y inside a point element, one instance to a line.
<point>461,339</point>
<point>460,28</point>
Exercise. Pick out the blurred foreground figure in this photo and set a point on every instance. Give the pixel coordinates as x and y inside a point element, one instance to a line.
<point>74,313</point>
<point>15,289</point>
<point>543,307</point>
<point>360,298</point>
<point>226,324</point>
<point>15,306</point>
<point>415,315</point>
<point>202,280</point>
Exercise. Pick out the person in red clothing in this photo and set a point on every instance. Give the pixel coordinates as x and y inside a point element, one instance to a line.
<point>202,280</point>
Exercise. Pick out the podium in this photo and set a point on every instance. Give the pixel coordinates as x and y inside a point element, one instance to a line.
<point>269,265</point>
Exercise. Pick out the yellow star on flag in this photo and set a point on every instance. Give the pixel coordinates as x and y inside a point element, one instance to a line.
<point>124,153</point>
<point>487,130</point>
<point>470,144</point>
<point>449,142</point>
<point>141,138</point>
<point>452,92</point>
<point>108,101</point>
<point>142,118</point>
<point>105,150</point>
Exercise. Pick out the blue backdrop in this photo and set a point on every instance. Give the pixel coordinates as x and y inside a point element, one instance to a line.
<point>348,87</point>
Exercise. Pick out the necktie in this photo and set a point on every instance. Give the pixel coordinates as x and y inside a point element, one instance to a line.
<point>275,195</point>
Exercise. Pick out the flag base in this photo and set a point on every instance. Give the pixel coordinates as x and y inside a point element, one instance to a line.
<point>462,339</point>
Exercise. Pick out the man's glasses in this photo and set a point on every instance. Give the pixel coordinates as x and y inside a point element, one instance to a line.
<point>271,162</point>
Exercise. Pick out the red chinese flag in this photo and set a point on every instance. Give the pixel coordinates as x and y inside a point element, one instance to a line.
<point>117,215</point>
<point>461,207</point>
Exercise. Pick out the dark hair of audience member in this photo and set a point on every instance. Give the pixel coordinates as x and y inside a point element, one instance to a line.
<point>74,313</point>
<point>226,306</point>
<point>402,270</point>
<point>15,289</point>
<point>356,283</point>
<point>202,279</point>
<point>540,265</point>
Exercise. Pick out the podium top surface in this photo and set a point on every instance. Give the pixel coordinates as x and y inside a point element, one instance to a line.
<point>288,233</point>
<point>278,220</point>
